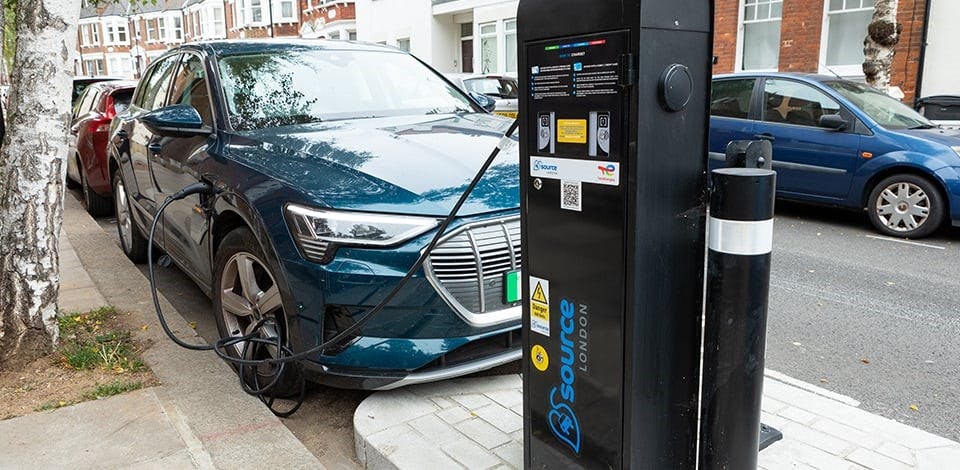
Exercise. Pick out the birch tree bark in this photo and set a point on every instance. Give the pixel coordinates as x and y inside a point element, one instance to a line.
<point>32,172</point>
<point>883,34</point>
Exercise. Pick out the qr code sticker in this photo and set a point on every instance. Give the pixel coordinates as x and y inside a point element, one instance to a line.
<point>571,195</point>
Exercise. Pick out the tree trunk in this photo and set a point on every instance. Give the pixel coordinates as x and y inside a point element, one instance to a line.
<point>32,172</point>
<point>883,34</point>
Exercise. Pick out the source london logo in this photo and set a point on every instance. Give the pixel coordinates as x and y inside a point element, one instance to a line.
<point>563,420</point>
<point>539,165</point>
<point>608,171</point>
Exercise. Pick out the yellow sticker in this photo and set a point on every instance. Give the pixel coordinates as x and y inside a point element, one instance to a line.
<point>572,131</point>
<point>539,357</point>
<point>538,294</point>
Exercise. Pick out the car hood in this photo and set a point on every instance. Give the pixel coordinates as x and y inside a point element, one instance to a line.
<point>948,137</point>
<point>416,165</point>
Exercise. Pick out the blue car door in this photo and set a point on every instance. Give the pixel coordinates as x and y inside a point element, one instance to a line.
<point>812,162</point>
<point>730,117</point>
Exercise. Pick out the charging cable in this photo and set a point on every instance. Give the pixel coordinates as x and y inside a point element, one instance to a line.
<point>284,356</point>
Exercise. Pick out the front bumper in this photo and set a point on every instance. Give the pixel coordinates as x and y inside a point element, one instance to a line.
<point>420,337</point>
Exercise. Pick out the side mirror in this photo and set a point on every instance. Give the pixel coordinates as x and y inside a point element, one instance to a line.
<point>179,120</point>
<point>487,103</point>
<point>833,121</point>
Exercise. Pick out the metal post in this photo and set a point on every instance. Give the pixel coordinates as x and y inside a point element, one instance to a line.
<point>738,285</point>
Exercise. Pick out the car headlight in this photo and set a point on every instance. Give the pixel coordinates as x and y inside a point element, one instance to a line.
<point>318,230</point>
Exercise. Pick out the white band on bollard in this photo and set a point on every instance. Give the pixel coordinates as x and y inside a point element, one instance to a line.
<point>737,237</point>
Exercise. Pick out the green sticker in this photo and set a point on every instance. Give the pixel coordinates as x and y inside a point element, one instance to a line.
<point>511,287</point>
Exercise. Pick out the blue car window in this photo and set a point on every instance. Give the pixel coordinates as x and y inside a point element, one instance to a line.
<point>731,98</point>
<point>796,103</point>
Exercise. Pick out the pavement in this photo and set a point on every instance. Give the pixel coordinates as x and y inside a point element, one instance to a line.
<point>197,418</point>
<point>478,424</point>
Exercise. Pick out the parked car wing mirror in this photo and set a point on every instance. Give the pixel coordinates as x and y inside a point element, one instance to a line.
<point>833,121</point>
<point>179,120</point>
<point>487,103</point>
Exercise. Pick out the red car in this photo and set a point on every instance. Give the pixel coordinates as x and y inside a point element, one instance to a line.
<point>92,114</point>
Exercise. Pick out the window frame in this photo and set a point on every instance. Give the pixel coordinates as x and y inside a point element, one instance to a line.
<point>500,34</point>
<point>141,87</point>
<point>277,6</point>
<point>112,28</point>
<point>846,71</point>
<point>184,56</point>
<point>742,32</point>
<point>755,96</point>
<point>760,104</point>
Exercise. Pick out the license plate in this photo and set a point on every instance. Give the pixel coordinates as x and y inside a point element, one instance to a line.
<point>511,287</point>
<point>509,114</point>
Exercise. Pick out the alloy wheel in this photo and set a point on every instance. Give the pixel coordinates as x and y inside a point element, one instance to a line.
<point>903,207</point>
<point>248,294</point>
<point>124,221</point>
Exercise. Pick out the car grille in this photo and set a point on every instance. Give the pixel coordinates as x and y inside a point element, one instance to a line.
<point>467,268</point>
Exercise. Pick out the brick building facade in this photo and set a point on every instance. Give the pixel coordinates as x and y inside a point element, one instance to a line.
<point>818,36</point>
<point>120,39</point>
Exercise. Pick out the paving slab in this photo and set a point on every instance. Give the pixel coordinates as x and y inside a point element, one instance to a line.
<point>822,430</point>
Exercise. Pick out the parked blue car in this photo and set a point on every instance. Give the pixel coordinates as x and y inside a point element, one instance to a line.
<point>335,162</point>
<point>844,144</point>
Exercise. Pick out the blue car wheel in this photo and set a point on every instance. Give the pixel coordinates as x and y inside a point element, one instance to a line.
<point>907,206</point>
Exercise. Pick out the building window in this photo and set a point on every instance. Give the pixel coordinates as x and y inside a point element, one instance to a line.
<point>283,11</point>
<point>334,35</point>
<point>498,46</point>
<point>488,48</point>
<point>212,25</point>
<point>115,32</point>
<point>94,67</point>
<point>177,29</point>
<point>403,44</point>
<point>119,66</point>
<point>151,30</point>
<point>760,43</point>
<point>466,47</point>
<point>846,28</point>
<point>352,35</point>
<point>510,45</point>
<point>252,12</point>
<point>89,35</point>
<point>162,28</point>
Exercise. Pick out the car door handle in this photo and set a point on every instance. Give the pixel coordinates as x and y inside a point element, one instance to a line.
<point>767,137</point>
<point>155,148</point>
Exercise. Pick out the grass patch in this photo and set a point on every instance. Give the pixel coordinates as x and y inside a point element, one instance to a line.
<point>52,405</point>
<point>114,388</point>
<point>87,345</point>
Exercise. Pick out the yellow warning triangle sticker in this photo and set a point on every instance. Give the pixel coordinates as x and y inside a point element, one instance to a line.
<point>538,295</point>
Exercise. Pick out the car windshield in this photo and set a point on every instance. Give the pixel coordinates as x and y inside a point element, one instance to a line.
<point>882,108</point>
<point>497,87</point>
<point>304,85</point>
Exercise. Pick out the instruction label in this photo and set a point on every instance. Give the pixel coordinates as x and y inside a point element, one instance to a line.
<point>572,131</point>
<point>540,306</point>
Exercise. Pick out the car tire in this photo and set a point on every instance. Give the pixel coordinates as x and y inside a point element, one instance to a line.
<point>96,205</point>
<point>906,206</point>
<point>132,242</point>
<point>245,291</point>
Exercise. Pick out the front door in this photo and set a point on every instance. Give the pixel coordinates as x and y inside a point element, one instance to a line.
<point>466,51</point>
<point>174,166</point>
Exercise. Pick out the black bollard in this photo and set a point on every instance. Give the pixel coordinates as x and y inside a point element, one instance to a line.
<point>738,286</point>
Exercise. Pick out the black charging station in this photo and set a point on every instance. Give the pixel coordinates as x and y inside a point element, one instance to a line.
<point>614,120</point>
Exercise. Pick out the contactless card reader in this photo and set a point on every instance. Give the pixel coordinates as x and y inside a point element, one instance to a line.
<point>613,165</point>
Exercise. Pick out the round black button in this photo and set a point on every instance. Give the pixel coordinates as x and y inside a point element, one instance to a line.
<point>676,86</point>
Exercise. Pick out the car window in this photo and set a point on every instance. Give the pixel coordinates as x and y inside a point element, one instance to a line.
<point>888,112</point>
<point>731,98</point>
<point>121,100</point>
<point>155,92</point>
<point>303,85</point>
<point>796,103</point>
<point>190,87</point>
<point>84,98</point>
<point>496,87</point>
